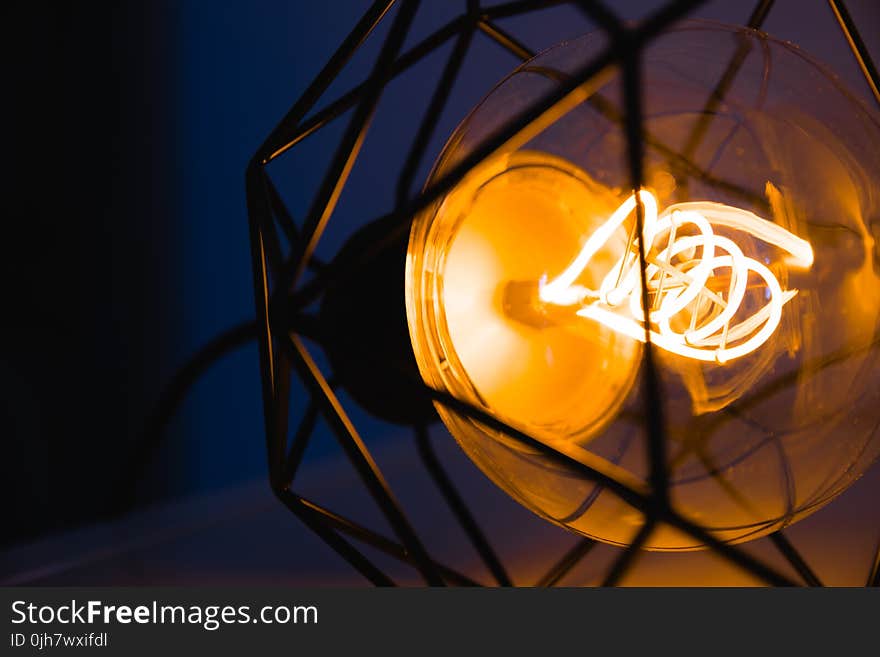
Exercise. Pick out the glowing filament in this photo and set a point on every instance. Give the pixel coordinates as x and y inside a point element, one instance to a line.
<point>687,316</point>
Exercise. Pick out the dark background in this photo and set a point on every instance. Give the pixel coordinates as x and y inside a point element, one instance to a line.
<point>89,253</point>
<point>124,246</point>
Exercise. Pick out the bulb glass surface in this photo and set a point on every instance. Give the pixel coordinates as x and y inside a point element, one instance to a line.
<point>760,213</point>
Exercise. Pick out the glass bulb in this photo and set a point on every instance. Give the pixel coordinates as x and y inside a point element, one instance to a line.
<point>760,212</point>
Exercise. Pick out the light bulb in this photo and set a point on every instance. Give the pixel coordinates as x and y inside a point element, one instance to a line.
<point>759,216</point>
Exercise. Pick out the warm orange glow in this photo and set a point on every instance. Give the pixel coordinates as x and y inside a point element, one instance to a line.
<point>526,296</point>
<point>541,290</point>
<point>515,226</point>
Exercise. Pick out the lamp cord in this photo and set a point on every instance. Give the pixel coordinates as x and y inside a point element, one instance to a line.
<point>147,443</point>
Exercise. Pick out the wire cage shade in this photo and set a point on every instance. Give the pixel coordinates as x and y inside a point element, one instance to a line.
<point>283,250</point>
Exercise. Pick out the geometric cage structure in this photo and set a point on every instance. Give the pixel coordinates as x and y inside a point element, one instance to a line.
<point>283,250</point>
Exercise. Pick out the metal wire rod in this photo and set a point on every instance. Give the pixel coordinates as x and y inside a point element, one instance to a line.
<point>360,457</point>
<point>307,127</point>
<point>459,507</point>
<point>759,14</point>
<point>606,19</point>
<point>282,215</point>
<point>299,443</point>
<point>337,175</point>
<point>380,542</point>
<point>506,40</point>
<point>317,523</point>
<point>325,77</point>
<point>627,558</point>
<point>259,213</point>
<point>795,558</point>
<point>718,94</point>
<point>568,561</point>
<point>432,114</point>
<point>655,421</point>
<point>874,574</point>
<point>857,46</point>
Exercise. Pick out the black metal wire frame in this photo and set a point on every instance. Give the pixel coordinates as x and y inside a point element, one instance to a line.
<point>281,299</point>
